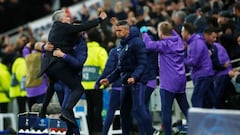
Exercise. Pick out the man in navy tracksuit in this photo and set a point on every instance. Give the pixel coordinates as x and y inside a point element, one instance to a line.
<point>151,73</point>
<point>131,69</point>
<point>114,101</point>
<point>199,61</point>
<point>75,61</point>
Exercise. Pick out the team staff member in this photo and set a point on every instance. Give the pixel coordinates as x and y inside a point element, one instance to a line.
<point>116,87</point>
<point>199,61</point>
<point>170,50</point>
<point>221,65</point>
<point>131,69</point>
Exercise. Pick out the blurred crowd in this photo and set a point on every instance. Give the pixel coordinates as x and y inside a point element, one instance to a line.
<point>222,14</point>
<point>18,12</point>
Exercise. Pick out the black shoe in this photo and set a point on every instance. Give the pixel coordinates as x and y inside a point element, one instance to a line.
<point>68,133</point>
<point>68,119</point>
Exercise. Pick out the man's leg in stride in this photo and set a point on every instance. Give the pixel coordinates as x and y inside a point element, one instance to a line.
<point>47,98</point>
<point>125,109</point>
<point>167,102</point>
<point>60,71</point>
<point>139,111</point>
<point>114,104</point>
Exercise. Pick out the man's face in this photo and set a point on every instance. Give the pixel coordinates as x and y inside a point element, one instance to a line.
<point>66,19</point>
<point>184,34</point>
<point>160,35</point>
<point>121,31</point>
<point>238,40</point>
<point>210,38</point>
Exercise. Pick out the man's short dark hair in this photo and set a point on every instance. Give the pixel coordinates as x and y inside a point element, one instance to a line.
<point>189,27</point>
<point>210,30</point>
<point>122,22</point>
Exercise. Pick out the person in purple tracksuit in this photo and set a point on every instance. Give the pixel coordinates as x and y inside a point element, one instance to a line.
<point>221,65</point>
<point>171,69</point>
<point>199,61</point>
<point>131,69</point>
<point>35,93</point>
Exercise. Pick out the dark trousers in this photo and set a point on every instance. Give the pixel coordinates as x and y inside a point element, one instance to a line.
<point>132,101</point>
<point>222,86</point>
<point>47,98</point>
<point>32,100</point>
<point>203,94</point>
<point>63,93</point>
<point>148,93</point>
<point>4,109</point>
<point>59,71</point>
<point>94,100</point>
<point>21,102</point>
<point>114,104</point>
<point>167,98</point>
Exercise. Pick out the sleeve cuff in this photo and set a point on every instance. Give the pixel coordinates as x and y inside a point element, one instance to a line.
<point>43,47</point>
<point>64,56</point>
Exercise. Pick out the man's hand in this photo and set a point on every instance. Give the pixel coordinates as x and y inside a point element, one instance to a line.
<point>131,80</point>
<point>152,29</point>
<point>143,29</point>
<point>103,15</point>
<point>97,86</point>
<point>227,64</point>
<point>48,46</point>
<point>41,46</point>
<point>104,82</point>
<point>58,53</point>
<point>113,20</point>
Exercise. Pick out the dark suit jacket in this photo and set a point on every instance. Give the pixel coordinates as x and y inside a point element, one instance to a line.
<point>64,36</point>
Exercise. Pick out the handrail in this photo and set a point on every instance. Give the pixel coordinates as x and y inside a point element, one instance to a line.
<point>232,61</point>
<point>235,60</point>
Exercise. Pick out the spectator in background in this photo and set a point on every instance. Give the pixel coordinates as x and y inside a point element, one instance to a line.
<point>226,33</point>
<point>17,66</point>
<point>200,22</point>
<point>5,79</point>
<point>92,69</point>
<point>199,62</point>
<point>141,20</point>
<point>178,20</point>
<point>119,11</point>
<point>236,12</point>
<point>17,89</point>
<point>236,51</point>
